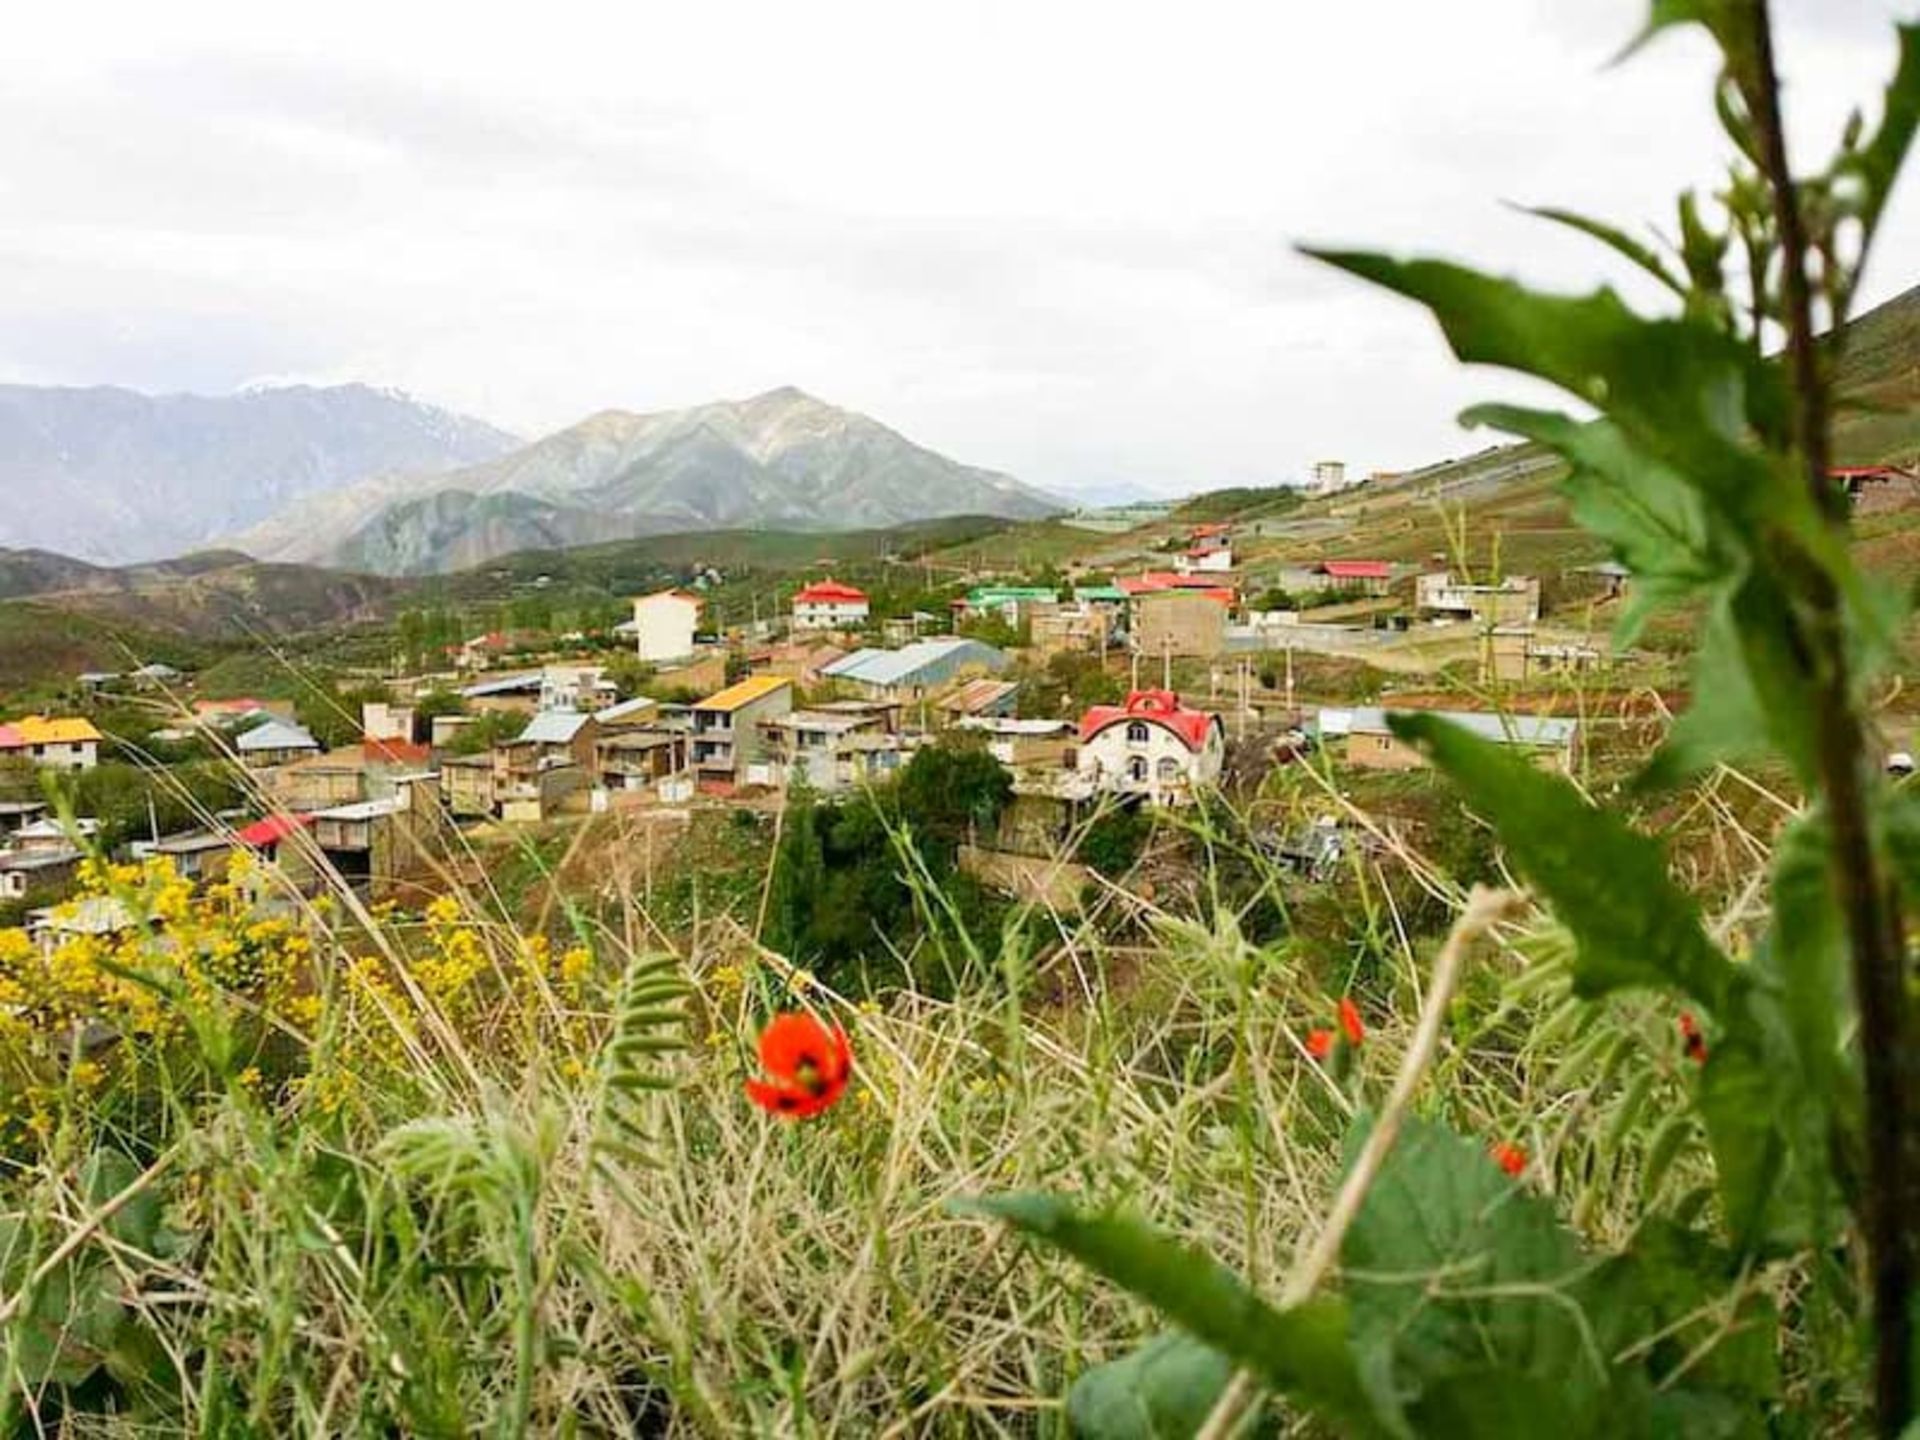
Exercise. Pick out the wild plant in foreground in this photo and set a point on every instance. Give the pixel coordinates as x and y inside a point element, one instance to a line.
<point>1462,1307</point>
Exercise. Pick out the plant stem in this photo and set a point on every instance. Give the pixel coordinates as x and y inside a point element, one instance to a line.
<point>1874,938</point>
<point>1484,909</point>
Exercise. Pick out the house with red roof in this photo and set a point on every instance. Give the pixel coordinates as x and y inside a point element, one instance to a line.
<point>1153,748</point>
<point>1876,488</point>
<point>1209,551</point>
<point>829,605</point>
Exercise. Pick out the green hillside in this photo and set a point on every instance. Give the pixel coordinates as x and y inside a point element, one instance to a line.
<point>1880,371</point>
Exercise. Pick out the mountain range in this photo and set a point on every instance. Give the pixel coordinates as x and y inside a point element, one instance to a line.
<point>115,476</point>
<point>782,460</point>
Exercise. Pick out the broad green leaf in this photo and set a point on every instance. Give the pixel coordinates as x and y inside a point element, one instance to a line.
<point>137,1223</point>
<point>1805,962</point>
<point>1900,825</point>
<point>1478,1298</point>
<point>1674,1271</point>
<point>1750,694</point>
<point>1301,1352</point>
<point>1609,884</point>
<point>1163,1391</point>
<point>1750,1156</point>
<point>1654,522</point>
<point>1686,394</point>
<point>1878,162</point>
<point>1615,239</point>
<point>1730,22</point>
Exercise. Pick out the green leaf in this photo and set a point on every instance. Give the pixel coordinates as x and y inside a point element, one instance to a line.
<point>1750,693</point>
<point>1730,22</point>
<point>1685,393</point>
<point>1301,1352</point>
<point>1609,884</point>
<point>1652,520</point>
<point>1805,963</point>
<point>1877,164</point>
<point>1471,1298</point>
<point>137,1223</point>
<point>1615,239</point>
<point>1750,1154</point>
<point>1730,1349</point>
<point>1163,1391</point>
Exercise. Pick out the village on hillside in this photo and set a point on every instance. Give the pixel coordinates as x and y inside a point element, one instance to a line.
<point>1166,659</point>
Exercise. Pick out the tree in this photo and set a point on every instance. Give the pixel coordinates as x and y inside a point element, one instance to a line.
<point>951,791</point>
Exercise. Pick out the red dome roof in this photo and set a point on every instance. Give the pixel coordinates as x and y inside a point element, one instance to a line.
<point>1156,707</point>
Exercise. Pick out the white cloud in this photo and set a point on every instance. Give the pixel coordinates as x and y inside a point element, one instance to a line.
<point>1050,238</point>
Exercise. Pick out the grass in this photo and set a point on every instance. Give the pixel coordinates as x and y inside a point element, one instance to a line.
<point>386,1199</point>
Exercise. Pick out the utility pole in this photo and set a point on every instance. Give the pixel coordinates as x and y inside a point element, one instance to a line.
<point>1166,662</point>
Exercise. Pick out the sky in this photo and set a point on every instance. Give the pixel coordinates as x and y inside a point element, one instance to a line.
<point>1054,238</point>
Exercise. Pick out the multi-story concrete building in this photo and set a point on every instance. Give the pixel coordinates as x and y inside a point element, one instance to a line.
<point>726,737</point>
<point>663,625</point>
<point>1513,601</point>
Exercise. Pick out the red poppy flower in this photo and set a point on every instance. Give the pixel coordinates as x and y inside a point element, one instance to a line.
<point>1350,1022</point>
<point>1695,1042</point>
<point>1510,1158</point>
<point>808,1065</point>
<point>1319,1043</point>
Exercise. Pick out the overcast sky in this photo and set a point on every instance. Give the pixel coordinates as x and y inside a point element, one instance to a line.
<point>1052,238</point>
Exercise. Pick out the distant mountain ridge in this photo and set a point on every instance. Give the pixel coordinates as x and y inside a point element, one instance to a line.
<point>115,476</point>
<point>782,459</point>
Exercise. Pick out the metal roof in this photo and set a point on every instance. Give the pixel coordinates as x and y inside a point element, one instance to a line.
<point>276,735</point>
<point>551,727</point>
<point>831,722</point>
<point>754,687</point>
<point>1540,730</point>
<point>364,810</point>
<point>505,685</point>
<point>626,709</point>
<point>893,667</point>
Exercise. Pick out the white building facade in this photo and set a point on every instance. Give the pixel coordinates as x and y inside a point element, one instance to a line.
<point>663,625</point>
<point>1151,748</point>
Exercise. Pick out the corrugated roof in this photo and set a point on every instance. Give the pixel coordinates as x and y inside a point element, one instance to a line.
<point>364,810</point>
<point>276,735</point>
<point>1001,594</point>
<point>272,829</point>
<point>43,730</point>
<point>626,709</point>
<point>754,687</point>
<point>505,685</point>
<point>892,667</point>
<point>977,695</point>
<point>1540,730</point>
<point>551,727</point>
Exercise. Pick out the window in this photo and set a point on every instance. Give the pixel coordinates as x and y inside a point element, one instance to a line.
<point>1169,770</point>
<point>1137,769</point>
<point>1136,732</point>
